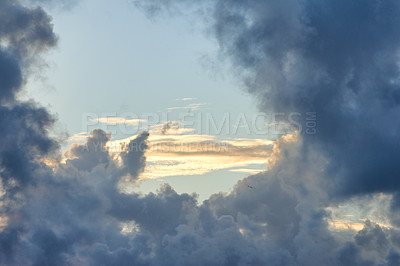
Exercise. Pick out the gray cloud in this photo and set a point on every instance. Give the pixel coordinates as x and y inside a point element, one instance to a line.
<point>53,5</point>
<point>92,153</point>
<point>133,159</point>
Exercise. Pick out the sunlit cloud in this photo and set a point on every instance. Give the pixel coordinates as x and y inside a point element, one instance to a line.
<point>191,107</point>
<point>354,214</point>
<point>245,170</point>
<point>177,151</point>
<point>186,99</point>
<point>3,223</point>
<point>119,120</point>
<point>180,152</point>
<point>79,137</point>
<point>342,225</point>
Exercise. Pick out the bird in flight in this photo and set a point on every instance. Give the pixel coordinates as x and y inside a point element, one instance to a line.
<point>250,187</point>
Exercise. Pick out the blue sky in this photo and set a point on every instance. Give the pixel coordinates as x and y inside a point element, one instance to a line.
<point>112,60</point>
<point>115,58</point>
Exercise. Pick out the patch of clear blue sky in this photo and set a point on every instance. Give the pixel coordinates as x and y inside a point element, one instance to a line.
<point>111,58</point>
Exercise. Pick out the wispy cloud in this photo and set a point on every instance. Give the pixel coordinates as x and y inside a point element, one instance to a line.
<point>245,170</point>
<point>183,153</point>
<point>178,151</point>
<point>192,107</point>
<point>342,225</point>
<point>119,120</point>
<point>78,137</point>
<point>186,99</point>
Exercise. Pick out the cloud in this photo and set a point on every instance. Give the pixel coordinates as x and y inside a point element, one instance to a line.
<point>177,151</point>
<point>186,99</point>
<point>345,225</point>
<point>312,56</point>
<point>245,170</point>
<point>93,153</point>
<point>189,107</point>
<point>78,138</point>
<point>24,34</point>
<point>168,126</point>
<point>64,5</point>
<point>182,153</point>
<point>119,120</point>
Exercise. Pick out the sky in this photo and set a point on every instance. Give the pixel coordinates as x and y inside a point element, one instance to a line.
<point>180,132</point>
<point>91,75</point>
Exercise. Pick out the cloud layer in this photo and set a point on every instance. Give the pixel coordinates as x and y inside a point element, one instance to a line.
<point>181,152</point>
<point>336,58</point>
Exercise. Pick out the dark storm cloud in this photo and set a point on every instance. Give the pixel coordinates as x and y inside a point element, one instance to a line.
<point>342,64</point>
<point>11,76</point>
<point>23,32</point>
<point>24,141</point>
<point>58,5</point>
<point>24,126</point>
